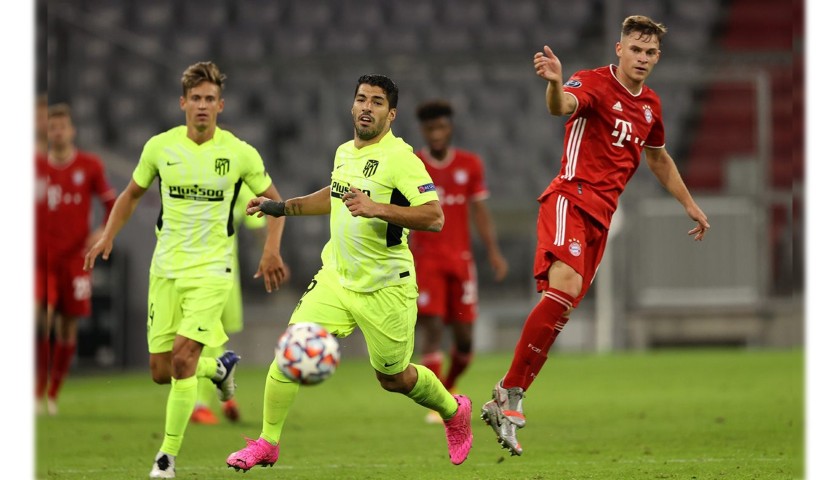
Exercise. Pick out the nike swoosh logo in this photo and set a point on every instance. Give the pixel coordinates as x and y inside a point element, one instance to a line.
<point>391,364</point>
<point>202,329</point>
<point>168,163</point>
<point>339,166</point>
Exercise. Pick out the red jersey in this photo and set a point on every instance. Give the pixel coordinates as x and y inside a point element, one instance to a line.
<point>70,188</point>
<point>459,180</point>
<point>41,167</point>
<point>604,140</point>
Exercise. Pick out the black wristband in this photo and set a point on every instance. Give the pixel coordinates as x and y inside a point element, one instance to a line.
<point>275,209</point>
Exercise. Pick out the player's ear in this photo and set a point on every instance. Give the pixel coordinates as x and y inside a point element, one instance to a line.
<point>221,105</point>
<point>392,114</point>
<point>182,102</point>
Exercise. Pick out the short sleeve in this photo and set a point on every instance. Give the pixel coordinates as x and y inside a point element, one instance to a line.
<point>583,87</point>
<point>100,184</point>
<point>414,182</point>
<point>146,169</point>
<point>477,188</point>
<point>253,170</point>
<point>656,137</point>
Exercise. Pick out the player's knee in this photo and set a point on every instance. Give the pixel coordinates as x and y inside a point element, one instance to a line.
<point>160,370</point>
<point>161,377</point>
<point>392,383</point>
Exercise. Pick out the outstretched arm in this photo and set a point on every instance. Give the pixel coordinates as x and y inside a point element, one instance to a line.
<point>119,215</point>
<point>317,203</point>
<point>548,67</point>
<point>487,232</point>
<point>665,170</point>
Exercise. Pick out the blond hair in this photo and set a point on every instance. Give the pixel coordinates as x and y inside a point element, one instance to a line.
<point>200,72</point>
<point>644,26</point>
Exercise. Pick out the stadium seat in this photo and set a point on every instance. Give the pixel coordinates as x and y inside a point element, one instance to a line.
<point>242,44</point>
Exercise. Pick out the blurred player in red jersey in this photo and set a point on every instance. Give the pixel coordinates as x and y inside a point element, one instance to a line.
<point>613,118</point>
<point>446,272</point>
<point>42,328</point>
<point>63,290</point>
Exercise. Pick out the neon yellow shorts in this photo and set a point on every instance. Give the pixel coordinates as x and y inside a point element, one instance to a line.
<point>232,314</point>
<point>386,317</point>
<point>190,307</point>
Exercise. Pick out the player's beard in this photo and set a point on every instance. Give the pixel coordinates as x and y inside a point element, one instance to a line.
<point>368,133</point>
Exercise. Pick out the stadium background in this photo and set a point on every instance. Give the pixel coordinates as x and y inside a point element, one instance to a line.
<point>730,79</point>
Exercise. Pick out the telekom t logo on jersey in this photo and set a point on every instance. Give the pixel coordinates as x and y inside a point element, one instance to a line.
<point>622,131</point>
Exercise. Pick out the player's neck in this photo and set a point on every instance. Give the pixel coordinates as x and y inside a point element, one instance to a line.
<point>633,86</point>
<point>359,143</point>
<point>440,155</point>
<point>60,156</point>
<point>200,136</point>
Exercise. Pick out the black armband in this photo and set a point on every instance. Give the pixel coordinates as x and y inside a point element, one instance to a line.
<point>275,209</point>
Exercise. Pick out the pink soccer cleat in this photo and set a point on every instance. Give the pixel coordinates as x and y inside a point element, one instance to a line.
<point>256,452</point>
<point>459,435</point>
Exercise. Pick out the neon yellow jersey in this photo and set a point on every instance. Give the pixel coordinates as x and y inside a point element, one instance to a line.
<point>199,185</point>
<point>251,222</point>
<point>369,253</point>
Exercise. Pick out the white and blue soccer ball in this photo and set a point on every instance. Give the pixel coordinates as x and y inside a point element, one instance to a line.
<point>307,353</point>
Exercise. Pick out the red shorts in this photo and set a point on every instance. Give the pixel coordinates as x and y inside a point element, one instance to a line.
<point>65,286</point>
<point>568,234</point>
<point>448,288</point>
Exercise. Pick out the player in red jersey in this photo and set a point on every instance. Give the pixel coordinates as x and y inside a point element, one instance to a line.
<point>446,273</point>
<point>613,118</point>
<point>42,328</point>
<point>74,177</point>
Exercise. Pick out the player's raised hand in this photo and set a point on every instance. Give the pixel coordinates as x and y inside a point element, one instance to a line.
<point>547,65</point>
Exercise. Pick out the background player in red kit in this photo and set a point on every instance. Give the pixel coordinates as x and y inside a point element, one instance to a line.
<point>446,273</point>
<point>74,177</point>
<point>614,116</point>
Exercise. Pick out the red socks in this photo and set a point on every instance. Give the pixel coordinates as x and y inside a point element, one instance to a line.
<point>62,358</point>
<point>42,362</point>
<point>460,362</point>
<point>541,328</point>
<point>433,362</point>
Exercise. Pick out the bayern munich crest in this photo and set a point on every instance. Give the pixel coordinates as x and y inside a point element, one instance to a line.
<point>648,113</point>
<point>574,247</point>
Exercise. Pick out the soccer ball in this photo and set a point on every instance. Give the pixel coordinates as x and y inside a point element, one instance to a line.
<point>307,353</point>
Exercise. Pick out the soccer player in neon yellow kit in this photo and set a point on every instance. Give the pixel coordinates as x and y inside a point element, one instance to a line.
<point>200,168</point>
<point>378,191</point>
<point>231,316</point>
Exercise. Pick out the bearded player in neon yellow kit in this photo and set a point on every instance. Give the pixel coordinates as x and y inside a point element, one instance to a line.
<point>379,190</point>
<point>200,168</point>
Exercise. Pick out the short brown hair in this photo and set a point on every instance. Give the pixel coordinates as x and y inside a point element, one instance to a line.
<point>200,72</point>
<point>58,110</point>
<point>645,26</point>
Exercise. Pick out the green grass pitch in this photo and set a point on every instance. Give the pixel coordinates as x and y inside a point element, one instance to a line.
<point>675,414</point>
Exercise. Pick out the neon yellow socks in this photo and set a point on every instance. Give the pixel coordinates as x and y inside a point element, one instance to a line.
<point>179,407</point>
<point>280,393</point>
